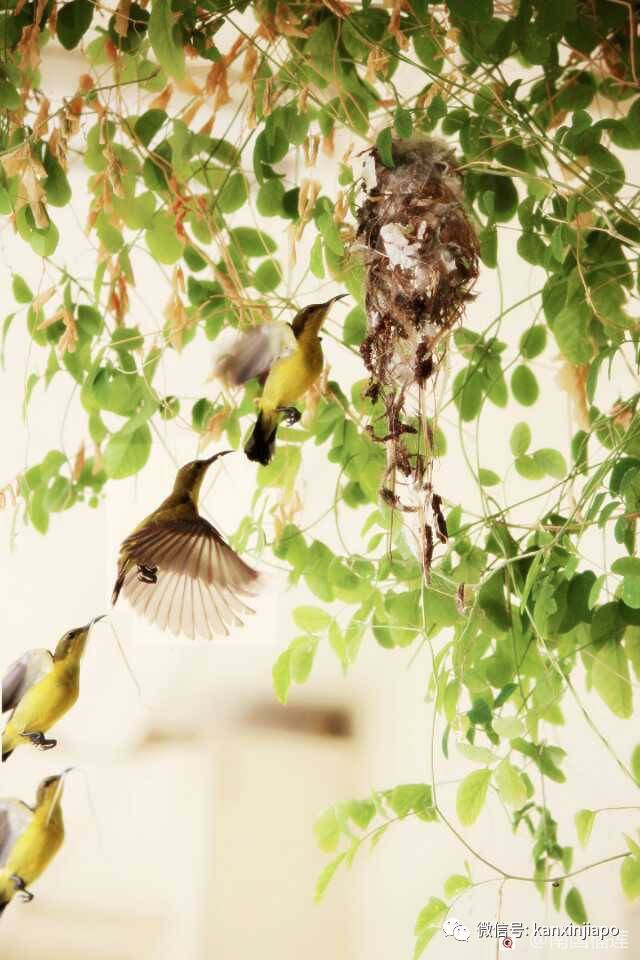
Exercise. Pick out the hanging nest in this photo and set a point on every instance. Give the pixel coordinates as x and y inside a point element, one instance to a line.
<point>421,256</point>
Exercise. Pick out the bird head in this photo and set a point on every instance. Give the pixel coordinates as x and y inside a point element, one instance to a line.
<point>311,318</point>
<point>74,641</point>
<point>50,791</point>
<point>189,478</point>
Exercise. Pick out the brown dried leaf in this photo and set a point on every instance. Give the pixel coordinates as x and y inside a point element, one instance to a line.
<point>78,463</point>
<point>121,25</point>
<point>573,379</point>
<point>162,100</point>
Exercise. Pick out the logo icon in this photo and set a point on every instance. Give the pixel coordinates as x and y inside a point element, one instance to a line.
<point>453,928</point>
<point>507,943</point>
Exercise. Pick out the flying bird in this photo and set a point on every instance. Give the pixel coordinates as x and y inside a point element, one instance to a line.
<point>40,688</point>
<point>176,570</point>
<point>288,359</point>
<point>29,839</point>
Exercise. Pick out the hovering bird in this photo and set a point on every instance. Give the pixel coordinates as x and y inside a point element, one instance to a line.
<point>177,571</point>
<point>29,839</point>
<point>289,359</point>
<point>40,688</point>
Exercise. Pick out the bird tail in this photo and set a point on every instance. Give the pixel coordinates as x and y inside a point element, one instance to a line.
<point>7,750</point>
<point>117,587</point>
<point>261,444</point>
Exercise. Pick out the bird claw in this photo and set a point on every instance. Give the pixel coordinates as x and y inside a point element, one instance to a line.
<point>20,886</point>
<point>291,414</point>
<point>39,740</point>
<point>147,574</point>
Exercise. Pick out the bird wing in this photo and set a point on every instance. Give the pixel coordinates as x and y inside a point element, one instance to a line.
<point>200,579</point>
<point>24,674</point>
<point>253,353</point>
<point>15,817</point>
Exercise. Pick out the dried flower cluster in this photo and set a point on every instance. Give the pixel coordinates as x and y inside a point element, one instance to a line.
<point>422,259</point>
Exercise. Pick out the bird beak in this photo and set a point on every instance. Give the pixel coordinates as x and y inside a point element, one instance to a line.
<point>96,619</point>
<point>340,296</point>
<point>216,455</point>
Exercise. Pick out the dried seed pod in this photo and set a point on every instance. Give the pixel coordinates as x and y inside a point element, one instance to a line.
<point>421,256</point>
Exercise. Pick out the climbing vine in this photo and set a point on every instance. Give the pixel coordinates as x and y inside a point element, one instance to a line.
<point>196,137</point>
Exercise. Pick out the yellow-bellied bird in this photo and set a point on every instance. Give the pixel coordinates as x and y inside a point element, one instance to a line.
<point>291,364</point>
<point>40,688</point>
<point>177,571</point>
<point>29,839</point>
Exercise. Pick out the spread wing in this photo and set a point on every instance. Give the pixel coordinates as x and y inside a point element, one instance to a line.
<point>15,817</point>
<point>200,580</point>
<point>22,675</point>
<point>253,353</point>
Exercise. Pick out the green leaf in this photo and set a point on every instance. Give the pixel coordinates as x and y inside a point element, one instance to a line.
<point>233,193</point>
<point>73,21</point>
<point>355,327</point>
<point>488,478</point>
<point>303,651</point>
<point>630,877</point>
<point>423,941</point>
<point>533,341</point>
<point>610,676</point>
<point>635,763</point>
<point>471,796</point>
<point>269,198</point>
<point>316,261</point>
<point>253,243</point>
<point>327,875</point>
<point>162,239</point>
<point>551,462</point>
<point>384,145</point>
<point>524,386</point>
<point>161,37</point>
<point>570,331</point>
<point>127,451</point>
<point>20,288</point>
<point>430,915</point>
<point>584,820</point>
<point>148,124</point>
<point>455,884</point>
<point>327,831</point>
<point>508,727</point>
<point>268,276</point>
<point>520,439</point>
<point>574,906</point>
<point>311,619</point>
<point>9,96</point>
<point>510,784</point>
<point>476,754</point>
<point>281,674</point>
<point>472,10</point>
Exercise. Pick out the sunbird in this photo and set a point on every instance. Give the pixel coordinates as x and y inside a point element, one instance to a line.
<point>29,839</point>
<point>40,688</point>
<point>177,571</point>
<point>291,364</point>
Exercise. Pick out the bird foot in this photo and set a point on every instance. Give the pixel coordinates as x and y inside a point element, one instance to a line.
<point>39,740</point>
<point>147,574</point>
<point>25,895</point>
<point>291,414</point>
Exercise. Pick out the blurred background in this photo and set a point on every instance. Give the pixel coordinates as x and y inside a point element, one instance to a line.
<point>190,812</point>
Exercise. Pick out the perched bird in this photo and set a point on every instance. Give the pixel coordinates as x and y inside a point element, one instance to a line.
<point>291,360</point>
<point>40,688</point>
<point>29,839</point>
<point>177,571</point>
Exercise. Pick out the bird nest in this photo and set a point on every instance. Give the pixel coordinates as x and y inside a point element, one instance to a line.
<point>421,256</point>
